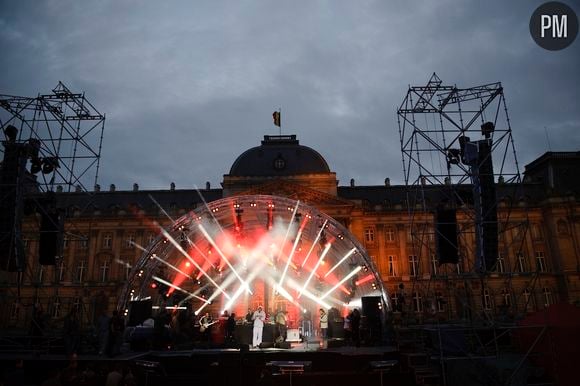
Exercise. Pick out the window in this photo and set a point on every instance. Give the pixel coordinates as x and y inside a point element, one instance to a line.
<point>506,297</point>
<point>417,302</point>
<point>78,304</point>
<point>80,274</point>
<point>548,299</point>
<point>127,270</point>
<point>540,261</point>
<point>369,235</point>
<point>392,265</point>
<point>104,268</point>
<point>61,269</point>
<point>397,306</point>
<point>390,234</point>
<point>528,299</point>
<point>108,240</point>
<point>500,264</point>
<point>486,300</point>
<point>440,301</point>
<point>14,311</point>
<point>84,242</point>
<point>413,265</point>
<point>130,241</point>
<point>521,262</point>
<point>55,308</point>
<point>434,265</point>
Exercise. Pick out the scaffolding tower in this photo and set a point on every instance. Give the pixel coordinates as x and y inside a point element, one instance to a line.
<point>52,144</point>
<point>459,157</point>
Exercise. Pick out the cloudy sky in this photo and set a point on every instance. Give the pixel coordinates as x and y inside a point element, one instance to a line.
<point>188,85</point>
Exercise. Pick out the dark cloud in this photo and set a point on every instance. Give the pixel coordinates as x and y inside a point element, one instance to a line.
<point>188,86</point>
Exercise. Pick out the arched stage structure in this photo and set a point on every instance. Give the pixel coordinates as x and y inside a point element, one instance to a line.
<point>243,251</point>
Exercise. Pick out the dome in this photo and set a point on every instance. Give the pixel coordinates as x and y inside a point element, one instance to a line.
<point>279,155</point>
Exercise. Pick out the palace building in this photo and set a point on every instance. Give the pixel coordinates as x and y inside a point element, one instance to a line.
<point>538,262</point>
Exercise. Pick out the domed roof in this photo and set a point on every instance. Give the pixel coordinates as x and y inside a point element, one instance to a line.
<point>279,155</point>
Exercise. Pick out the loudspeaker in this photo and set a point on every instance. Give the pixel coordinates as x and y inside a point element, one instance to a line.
<point>446,236</point>
<point>488,205</point>
<point>50,236</point>
<point>139,311</point>
<point>371,310</point>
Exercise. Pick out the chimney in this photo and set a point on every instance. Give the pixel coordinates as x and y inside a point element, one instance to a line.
<point>207,185</point>
<point>352,182</point>
<point>387,181</point>
<point>135,187</point>
<point>172,186</point>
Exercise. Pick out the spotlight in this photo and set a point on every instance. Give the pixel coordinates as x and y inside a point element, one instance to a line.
<point>49,164</point>
<point>453,156</point>
<point>253,204</point>
<point>35,165</point>
<point>487,129</point>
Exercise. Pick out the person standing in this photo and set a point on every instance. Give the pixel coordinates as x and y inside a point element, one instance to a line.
<point>116,328</point>
<point>231,328</point>
<point>323,323</point>
<point>281,326</point>
<point>355,326</point>
<point>259,318</point>
<point>103,331</point>
<point>204,327</point>
<point>249,316</point>
<point>72,332</point>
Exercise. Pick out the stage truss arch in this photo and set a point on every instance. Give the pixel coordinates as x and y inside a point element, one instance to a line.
<point>239,252</point>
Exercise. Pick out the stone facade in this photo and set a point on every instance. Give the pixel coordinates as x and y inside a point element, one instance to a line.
<point>539,262</point>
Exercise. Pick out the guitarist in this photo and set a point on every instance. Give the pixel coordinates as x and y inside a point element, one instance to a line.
<point>204,326</point>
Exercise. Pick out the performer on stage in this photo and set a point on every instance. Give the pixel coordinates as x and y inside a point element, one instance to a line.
<point>323,323</point>
<point>249,316</point>
<point>281,326</point>
<point>204,326</point>
<point>259,318</point>
<point>231,328</point>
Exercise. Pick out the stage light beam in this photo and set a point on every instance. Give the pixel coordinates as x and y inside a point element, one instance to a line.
<point>340,261</point>
<point>351,274</point>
